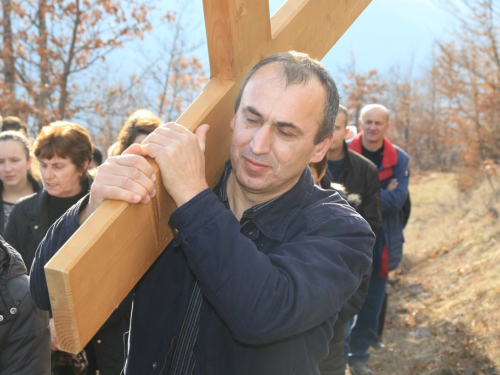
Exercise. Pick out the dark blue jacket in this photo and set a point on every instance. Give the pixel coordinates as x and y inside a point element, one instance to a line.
<point>395,164</point>
<point>392,204</point>
<point>272,285</point>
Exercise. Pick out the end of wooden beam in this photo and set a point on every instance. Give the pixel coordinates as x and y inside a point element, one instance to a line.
<point>95,270</point>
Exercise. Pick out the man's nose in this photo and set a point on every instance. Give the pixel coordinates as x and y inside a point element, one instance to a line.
<point>262,138</point>
<point>8,165</point>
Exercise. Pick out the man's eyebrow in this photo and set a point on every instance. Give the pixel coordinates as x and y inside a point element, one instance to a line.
<point>291,125</point>
<point>253,111</point>
<point>283,124</point>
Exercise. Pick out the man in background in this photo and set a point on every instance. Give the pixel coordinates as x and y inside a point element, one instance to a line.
<point>359,176</point>
<point>394,175</point>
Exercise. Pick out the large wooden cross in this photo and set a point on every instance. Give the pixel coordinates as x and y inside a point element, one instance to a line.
<point>101,263</point>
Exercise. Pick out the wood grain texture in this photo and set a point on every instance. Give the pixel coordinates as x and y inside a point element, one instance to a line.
<point>101,263</point>
<point>235,30</point>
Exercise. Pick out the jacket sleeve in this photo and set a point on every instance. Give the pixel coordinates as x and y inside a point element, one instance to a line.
<point>355,303</point>
<point>372,210</point>
<point>393,201</point>
<point>265,297</point>
<point>26,350</point>
<point>55,238</point>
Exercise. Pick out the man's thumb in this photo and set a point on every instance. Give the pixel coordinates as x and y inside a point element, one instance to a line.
<point>201,133</point>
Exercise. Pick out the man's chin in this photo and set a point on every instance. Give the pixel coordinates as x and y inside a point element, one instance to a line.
<point>252,184</point>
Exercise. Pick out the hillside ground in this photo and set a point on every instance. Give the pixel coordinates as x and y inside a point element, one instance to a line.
<point>444,301</point>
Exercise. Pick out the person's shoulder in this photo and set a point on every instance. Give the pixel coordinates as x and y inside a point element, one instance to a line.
<point>12,260</point>
<point>400,150</point>
<point>27,205</point>
<point>401,153</point>
<point>403,158</point>
<point>360,159</point>
<point>28,200</point>
<point>327,205</point>
<point>331,216</point>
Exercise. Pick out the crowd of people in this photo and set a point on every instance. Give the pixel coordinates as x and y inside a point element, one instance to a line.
<point>280,269</point>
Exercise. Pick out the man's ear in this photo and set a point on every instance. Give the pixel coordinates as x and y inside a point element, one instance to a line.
<point>321,149</point>
<point>231,123</point>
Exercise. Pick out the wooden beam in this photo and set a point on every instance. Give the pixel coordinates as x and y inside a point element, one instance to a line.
<point>235,30</point>
<point>101,263</point>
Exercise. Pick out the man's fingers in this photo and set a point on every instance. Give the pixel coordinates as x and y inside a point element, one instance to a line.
<point>131,180</point>
<point>201,133</point>
<point>133,149</point>
<point>120,194</point>
<point>132,161</point>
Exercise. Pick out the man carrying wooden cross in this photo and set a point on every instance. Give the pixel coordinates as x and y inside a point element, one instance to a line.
<point>259,266</point>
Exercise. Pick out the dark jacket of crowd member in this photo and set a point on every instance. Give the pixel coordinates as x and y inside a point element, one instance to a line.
<point>29,222</point>
<point>24,329</point>
<point>36,188</point>
<point>364,183</point>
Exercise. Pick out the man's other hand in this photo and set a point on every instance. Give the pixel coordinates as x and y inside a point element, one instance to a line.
<point>180,154</point>
<point>127,177</point>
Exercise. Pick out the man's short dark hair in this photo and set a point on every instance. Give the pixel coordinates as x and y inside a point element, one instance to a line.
<point>299,68</point>
<point>14,123</point>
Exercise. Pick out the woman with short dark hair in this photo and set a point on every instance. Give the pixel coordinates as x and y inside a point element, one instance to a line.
<point>63,151</point>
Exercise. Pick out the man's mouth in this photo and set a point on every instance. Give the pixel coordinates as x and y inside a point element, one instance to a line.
<point>254,165</point>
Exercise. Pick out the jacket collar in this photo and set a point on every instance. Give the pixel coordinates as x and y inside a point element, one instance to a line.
<point>274,222</point>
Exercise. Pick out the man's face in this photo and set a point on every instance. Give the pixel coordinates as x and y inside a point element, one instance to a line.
<point>374,125</point>
<point>273,132</point>
<point>340,132</point>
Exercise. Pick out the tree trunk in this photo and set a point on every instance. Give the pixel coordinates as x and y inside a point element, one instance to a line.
<point>63,83</point>
<point>9,70</point>
<point>43,94</point>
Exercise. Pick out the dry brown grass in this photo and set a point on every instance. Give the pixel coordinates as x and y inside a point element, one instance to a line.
<point>444,306</point>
